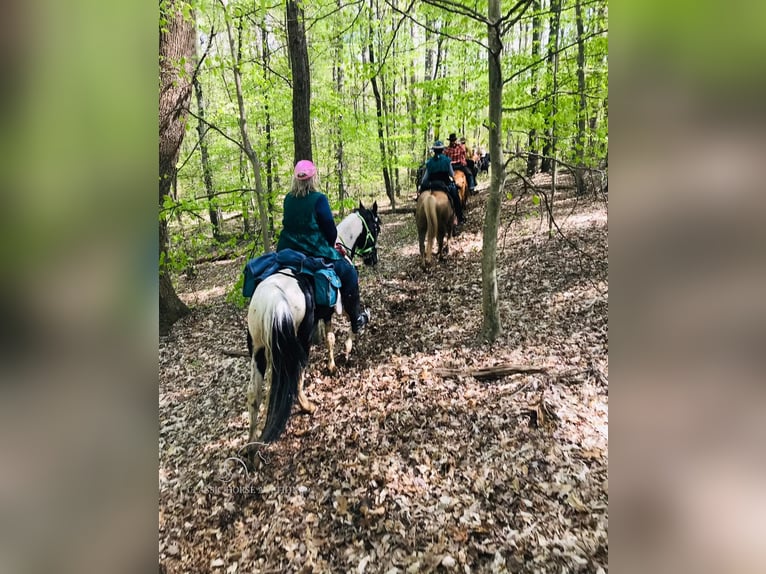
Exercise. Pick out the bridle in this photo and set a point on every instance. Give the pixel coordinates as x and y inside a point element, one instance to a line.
<point>368,248</point>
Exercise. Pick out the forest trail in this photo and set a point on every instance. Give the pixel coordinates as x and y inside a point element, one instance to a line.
<point>402,469</point>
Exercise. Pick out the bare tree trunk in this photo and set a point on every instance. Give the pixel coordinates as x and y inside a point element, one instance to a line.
<point>177,48</point>
<point>533,159</point>
<point>247,203</point>
<point>246,145</point>
<point>299,62</point>
<point>582,112</point>
<point>491,327</point>
<point>417,153</point>
<point>207,172</point>
<point>269,143</point>
<point>553,42</point>
<point>428,72</point>
<point>339,159</point>
<point>381,138</point>
<point>440,71</point>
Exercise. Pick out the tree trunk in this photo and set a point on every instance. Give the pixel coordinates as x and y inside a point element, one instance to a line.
<point>582,112</point>
<point>177,47</point>
<point>269,143</point>
<point>381,138</point>
<point>553,42</point>
<point>299,62</point>
<point>339,159</point>
<point>491,327</point>
<point>207,172</point>
<point>533,159</point>
<point>246,145</point>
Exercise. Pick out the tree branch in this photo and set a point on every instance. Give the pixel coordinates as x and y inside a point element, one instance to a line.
<point>217,129</point>
<point>507,26</point>
<point>458,8</point>
<point>520,71</point>
<point>543,98</point>
<point>437,32</point>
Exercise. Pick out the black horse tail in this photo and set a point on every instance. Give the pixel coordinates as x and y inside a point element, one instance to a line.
<point>289,356</point>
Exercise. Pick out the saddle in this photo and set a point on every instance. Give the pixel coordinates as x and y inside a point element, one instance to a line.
<point>322,274</point>
<point>449,188</point>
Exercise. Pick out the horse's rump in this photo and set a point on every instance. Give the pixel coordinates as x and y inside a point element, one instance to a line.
<point>280,320</point>
<point>434,217</point>
<point>462,186</point>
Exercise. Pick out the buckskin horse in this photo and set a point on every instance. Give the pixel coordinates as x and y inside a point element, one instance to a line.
<point>435,218</point>
<point>281,318</point>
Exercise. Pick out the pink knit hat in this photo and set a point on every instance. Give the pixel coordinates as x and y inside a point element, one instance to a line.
<point>304,169</point>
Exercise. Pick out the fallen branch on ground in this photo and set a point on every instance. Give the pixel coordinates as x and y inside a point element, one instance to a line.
<point>232,353</point>
<point>489,373</point>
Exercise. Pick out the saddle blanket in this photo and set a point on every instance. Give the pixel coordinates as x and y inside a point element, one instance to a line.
<point>326,281</point>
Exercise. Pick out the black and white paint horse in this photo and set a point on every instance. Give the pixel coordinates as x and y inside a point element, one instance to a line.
<point>358,234</point>
<point>281,318</point>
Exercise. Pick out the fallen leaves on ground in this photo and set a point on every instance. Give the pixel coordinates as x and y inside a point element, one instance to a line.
<point>401,469</point>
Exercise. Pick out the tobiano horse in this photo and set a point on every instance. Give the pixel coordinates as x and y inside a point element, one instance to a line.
<point>358,234</point>
<point>281,319</point>
<point>435,221</point>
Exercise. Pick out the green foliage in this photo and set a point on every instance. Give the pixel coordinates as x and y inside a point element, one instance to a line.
<point>421,103</point>
<point>235,297</point>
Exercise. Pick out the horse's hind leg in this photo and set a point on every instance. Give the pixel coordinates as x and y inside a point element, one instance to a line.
<point>329,337</point>
<point>255,394</point>
<point>305,404</point>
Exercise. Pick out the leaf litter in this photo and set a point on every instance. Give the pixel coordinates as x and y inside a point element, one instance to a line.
<point>401,469</point>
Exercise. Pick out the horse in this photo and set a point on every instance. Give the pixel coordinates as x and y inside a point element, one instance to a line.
<point>358,234</point>
<point>461,181</point>
<point>435,220</point>
<point>281,319</point>
<point>484,163</point>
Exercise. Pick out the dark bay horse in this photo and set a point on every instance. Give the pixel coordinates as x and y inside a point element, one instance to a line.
<point>435,219</point>
<point>280,320</point>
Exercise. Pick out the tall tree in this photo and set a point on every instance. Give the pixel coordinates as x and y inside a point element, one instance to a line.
<point>553,43</point>
<point>177,54</point>
<point>299,62</point>
<point>381,137</point>
<point>247,146</point>
<point>533,159</point>
<point>582,110</point>
<point>491,327</point>
<point>207,171</point>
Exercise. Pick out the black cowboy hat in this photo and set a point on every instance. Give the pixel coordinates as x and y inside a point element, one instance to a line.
<point>452,137</point>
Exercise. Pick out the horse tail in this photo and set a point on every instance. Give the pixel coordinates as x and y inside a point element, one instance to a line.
<point>288,358</point>
<point>432,219</point>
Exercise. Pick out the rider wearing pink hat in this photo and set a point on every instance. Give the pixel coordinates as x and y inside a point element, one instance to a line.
<point>308,227</point>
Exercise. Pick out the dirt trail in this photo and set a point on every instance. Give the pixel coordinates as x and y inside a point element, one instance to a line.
<point>401,469</point>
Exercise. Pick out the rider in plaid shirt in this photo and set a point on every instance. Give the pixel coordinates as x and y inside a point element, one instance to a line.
<point>456,152</point>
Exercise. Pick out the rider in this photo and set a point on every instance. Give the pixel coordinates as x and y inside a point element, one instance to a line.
<point>456,152</point>
<point>308,227</point>
<point>439,169</point>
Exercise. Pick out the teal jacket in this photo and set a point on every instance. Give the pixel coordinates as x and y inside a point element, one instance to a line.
<point>438,168</point>
<point>300,229</point>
